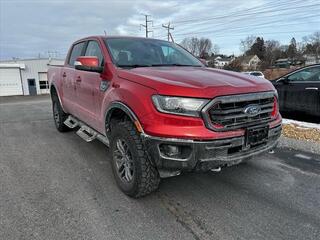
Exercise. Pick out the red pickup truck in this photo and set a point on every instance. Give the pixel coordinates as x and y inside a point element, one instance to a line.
<point>160,109</point>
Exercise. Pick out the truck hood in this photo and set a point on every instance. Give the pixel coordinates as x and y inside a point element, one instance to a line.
<point>195,81</point>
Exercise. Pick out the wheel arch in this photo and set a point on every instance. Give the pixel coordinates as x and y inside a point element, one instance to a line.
<point>117,109</point>
<point>54,91</point>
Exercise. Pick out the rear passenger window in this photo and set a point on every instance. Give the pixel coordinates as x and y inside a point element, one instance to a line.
<point>76,52</point>
<point>93,49</point>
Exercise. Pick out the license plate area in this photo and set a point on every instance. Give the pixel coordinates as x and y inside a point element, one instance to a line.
<point>257,135</point>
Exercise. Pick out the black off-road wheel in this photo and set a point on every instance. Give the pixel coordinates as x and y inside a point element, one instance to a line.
<point>59,116</point>
<point>133,171</point>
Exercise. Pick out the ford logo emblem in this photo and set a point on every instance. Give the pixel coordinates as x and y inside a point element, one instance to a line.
<point>252,110</point>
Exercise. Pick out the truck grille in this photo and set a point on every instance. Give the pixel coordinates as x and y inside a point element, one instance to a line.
<point>228,112</point>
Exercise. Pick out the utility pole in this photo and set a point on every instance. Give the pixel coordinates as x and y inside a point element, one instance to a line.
<point>168,27</point>
<point>146,26</point>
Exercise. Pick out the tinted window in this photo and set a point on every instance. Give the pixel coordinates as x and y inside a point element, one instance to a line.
<point>315,77</point>
<point>128,52</point>
<point>76,52</point>
<point>308,74</point>
<point>93,49</point>
<point>256,74</point>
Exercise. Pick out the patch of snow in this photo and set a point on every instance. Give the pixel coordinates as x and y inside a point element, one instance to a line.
<point>301,124</point>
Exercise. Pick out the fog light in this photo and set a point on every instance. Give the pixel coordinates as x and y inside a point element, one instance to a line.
<point>170,150</point>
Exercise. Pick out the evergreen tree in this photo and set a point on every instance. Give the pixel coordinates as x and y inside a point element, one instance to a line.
<point>258,48</point>
<point>292,49</point>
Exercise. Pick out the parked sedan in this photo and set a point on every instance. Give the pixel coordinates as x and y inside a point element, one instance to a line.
<point>255,73</point>
<point>299,92</point>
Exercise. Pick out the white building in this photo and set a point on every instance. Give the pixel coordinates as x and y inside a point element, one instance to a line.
<point>25,76</point>
<point>311,59</point>
<point>220,62</point>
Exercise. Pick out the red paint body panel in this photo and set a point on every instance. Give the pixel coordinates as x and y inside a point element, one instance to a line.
<point>135,87</point>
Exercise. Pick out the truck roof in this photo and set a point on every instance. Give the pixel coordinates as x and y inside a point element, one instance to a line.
<point>115,36</point>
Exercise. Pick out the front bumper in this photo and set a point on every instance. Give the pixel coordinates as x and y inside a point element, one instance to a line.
<point>206,155</point>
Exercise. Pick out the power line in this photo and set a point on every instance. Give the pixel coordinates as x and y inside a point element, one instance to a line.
<point>231,17</point>
<point>274,8</point>
<point>245,12</point>
<point>251,26</point>
<point>257,18</point>
<point>146,24</point>
<point>259,34</point>
<point>236,13</point>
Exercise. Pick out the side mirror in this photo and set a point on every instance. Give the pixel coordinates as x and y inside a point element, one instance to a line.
<point>88,63</point>
<point>203,61</point>
<point>284,80</point>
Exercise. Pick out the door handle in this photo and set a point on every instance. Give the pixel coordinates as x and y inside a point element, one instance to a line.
<point>78,79</point>
<point>64,75</point>
<point>311,88</point>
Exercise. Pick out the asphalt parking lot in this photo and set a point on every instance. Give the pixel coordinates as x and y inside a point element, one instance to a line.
<point>56,186</point>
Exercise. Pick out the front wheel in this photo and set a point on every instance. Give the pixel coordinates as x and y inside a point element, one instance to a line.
<point>134,173</point>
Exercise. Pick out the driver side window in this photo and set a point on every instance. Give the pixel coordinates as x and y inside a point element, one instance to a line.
<point>309,74</point>
<point>93,49</point>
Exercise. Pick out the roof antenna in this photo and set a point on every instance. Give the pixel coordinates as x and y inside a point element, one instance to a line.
<point>105,33</point>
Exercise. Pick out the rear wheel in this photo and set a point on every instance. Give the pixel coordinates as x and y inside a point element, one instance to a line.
<point>134,173</point>
<point>59,116</point>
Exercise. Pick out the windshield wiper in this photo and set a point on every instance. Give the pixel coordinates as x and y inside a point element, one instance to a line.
<point>157,65</point>
<point>134,66</point>
<point>175,64</point>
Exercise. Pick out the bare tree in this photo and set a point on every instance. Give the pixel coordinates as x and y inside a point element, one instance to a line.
<point>312,44</point>
<point>272,53</point>
<point>205,47</point>
<point>191,44</point>
<point>198,47</point>
<point>215,49</point>
<point>315,41</point>
<point>246,44</point>
<point>315,38</point>
<point>234,65</point>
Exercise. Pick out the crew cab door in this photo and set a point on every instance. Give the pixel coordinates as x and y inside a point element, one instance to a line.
<point>68,77</point>
<point>299,91</point>
<point>87,87</point>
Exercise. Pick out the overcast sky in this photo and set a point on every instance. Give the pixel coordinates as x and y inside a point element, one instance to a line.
<point>32,27</point>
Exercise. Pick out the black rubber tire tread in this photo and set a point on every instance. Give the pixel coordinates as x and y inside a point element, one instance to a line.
<point>61,127</point>
<point>147,177</point>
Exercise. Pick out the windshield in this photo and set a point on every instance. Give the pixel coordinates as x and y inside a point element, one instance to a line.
<point>139,52</point>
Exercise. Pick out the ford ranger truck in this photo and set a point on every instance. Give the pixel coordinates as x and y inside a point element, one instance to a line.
<point>160,110</point>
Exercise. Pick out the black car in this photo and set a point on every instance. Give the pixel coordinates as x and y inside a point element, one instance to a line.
<point>299,92</point>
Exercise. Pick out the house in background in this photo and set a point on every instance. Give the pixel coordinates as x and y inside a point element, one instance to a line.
<point>220,61</point>
<point>288,62</point>
<point>311,59</point>
<point>250,62</point>
<point>25,76</point>
<point>282,63</point>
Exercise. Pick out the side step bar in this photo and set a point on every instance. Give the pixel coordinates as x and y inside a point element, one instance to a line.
<point>85,132</point>
<point>71,122</point>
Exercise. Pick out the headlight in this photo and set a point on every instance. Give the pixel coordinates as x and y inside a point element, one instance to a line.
<point>179,105</point>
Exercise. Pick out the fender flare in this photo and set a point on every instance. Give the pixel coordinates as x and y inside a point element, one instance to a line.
<point>58,94</point>
<point>119,105</point>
